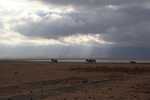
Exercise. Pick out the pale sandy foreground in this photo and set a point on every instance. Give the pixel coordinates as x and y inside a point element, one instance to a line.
<point>74,81</point>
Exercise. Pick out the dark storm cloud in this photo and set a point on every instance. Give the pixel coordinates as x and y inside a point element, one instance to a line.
<point>76,22</point>
<point>92,2</point>
<point>136,31</point>
<point>125,22</point>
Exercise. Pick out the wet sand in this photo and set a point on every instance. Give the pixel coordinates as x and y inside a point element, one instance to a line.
<point>74,81</point>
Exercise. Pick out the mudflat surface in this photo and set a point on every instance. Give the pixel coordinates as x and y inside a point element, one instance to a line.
<point>74,81</point>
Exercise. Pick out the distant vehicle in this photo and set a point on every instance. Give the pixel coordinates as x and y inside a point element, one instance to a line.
<point>133,62</point>
<point>91,60</point>
<point>54,60</point>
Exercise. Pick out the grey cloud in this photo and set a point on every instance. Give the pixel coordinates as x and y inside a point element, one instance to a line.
<point>93,3</point>
<point>74,23</point>
<point>127,25</point>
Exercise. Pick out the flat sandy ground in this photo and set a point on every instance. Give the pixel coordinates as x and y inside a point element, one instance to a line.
<point>74,81</point>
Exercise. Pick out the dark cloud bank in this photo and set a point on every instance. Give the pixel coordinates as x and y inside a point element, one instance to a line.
<point>127,23</point>
<point>123,22</point>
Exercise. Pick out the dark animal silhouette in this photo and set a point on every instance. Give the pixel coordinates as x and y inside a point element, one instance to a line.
<point>133,62</point>
<point>91,60</point>
<point>54,60</point>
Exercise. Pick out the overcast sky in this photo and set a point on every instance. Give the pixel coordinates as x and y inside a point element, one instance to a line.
<point>75,28</point>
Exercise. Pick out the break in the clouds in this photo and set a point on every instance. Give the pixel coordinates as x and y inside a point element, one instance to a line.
<point>57,26</point>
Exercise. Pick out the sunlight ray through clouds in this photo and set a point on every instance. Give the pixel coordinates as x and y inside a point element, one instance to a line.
<point>85,39</point>
<point>19,12</point>
<point>83,25</point>
<point>15,39</point>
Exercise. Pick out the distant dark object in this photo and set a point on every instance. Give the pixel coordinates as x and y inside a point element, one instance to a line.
<point>133,62</point>
<point>54,60</point>
<point>91,60</point>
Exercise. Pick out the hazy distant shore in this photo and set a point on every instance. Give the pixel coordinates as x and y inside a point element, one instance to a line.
<point>74,60</point>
